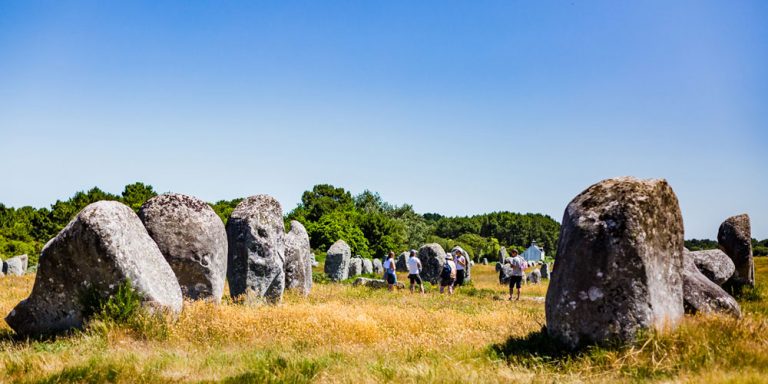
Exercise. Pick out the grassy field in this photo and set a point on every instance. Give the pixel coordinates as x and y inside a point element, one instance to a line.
<point>358,335</point>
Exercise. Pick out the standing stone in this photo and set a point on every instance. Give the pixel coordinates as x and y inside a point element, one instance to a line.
<point>15,266</point>
<point>401,265</point>
<point>256,236</point>
<point>193,241</point>
<point>505,273</point>
<point>701,295</point>
<point>544,271</point>
<point>103,247</point>
<point>534,277</point>
<point>503,255</point>
<point>337,261</point>
<point>485,261</point>
<point>355,267</point>
<point>619,263</point>
<point>367,266</point>
<point>468,273</point>
<point>432,258</point>
<point>298,259</point>
<point>714,264</point>
<point>735,239</point>
<point>378,267</point>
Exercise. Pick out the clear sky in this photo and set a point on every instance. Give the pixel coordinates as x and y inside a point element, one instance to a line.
<point>457,107</point>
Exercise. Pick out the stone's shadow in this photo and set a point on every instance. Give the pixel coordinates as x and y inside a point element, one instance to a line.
<point>536,348</point>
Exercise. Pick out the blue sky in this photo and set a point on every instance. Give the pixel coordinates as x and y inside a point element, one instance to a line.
<point>455,107</point>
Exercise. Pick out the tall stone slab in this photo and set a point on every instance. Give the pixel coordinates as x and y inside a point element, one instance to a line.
<point>256,257</point>
<point>735,239</point>
<point>103,247</point>
<point>15,266</point>
<point>432,258</point>
<point>298,259</point>
<point>192,239</point>
<point>337,261</point>
<point>619,263</point>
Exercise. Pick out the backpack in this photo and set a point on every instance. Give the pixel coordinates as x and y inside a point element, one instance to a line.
<point>446,272</point>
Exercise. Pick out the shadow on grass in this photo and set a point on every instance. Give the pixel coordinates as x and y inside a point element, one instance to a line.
<point>534,349</point>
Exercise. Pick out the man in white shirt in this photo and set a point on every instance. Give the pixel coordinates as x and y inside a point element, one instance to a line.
<point>518,271</point>
<point>414,270</point>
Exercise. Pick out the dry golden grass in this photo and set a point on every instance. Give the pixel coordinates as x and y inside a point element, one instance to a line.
<point>346,334</point>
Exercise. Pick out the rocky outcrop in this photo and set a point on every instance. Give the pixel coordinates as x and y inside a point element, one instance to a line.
<point>256,257</point>
<point>701,295</point>
<point>15,266</point>
<point>104,247</point>
<point>735,239</point>
<point>337,261</point>
<point>298,259</point>
<point>619,263</point>
<point>432,258</point>
<point>193,241</point>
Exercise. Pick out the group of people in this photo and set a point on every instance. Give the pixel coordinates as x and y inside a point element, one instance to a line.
<point>452,275</point>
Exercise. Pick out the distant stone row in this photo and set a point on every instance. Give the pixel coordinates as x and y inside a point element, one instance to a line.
<point>621,265</point>
<point>176,248</point>
<point>340,265</point>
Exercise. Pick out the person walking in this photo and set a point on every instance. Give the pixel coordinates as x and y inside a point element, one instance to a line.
<point>518,265</point>
<point>389,271</point>
<point>448,274</point>
<point>414,271</point>
<point>461,268</point>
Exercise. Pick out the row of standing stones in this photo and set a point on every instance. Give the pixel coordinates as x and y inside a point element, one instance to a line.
<point>175,248</point>
<point>621,265</point>
<point>341,265</point>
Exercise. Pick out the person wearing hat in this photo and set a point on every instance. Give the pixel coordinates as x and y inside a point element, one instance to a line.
<point>414,270</point>
<point>448,274</point>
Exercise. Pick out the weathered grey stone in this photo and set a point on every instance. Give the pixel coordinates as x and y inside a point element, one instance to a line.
<point>468,273</point>
<point>378,267</point>
<point>337,261</point>
<point>432,258</point>
<point>298,259</point>
<point>313,260</point>
<point>193,241</point>
<point>375,283</point>
<point>355,267</point>
<point>485,261</point>
<point>714,264</point>
<point>735,239</point>
<point>401,265</point>
<point>505,273</point>
<point>619,263</point>
<point>256,257</point>
<point>104,246</point>
<point>503,255</point>
<point>534,277</point>
<point>367,266</point>
<point>15,266</point>
<point>701,295</point>
<point>544,271</point>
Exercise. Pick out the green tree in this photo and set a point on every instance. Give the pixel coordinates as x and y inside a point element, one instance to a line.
<point>134,195</point>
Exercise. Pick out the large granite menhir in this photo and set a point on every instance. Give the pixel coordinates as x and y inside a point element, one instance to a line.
<point>337,261</point>
<point>619,263</point>
<point>432,258</point>
<point>255,232</point>
<point>104,246</point>
<point>192,239</point>
<point>735,239</point>
<point>298,259</point>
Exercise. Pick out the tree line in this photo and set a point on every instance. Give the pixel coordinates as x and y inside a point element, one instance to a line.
<point>371,226</point>
<point>759,247</point>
